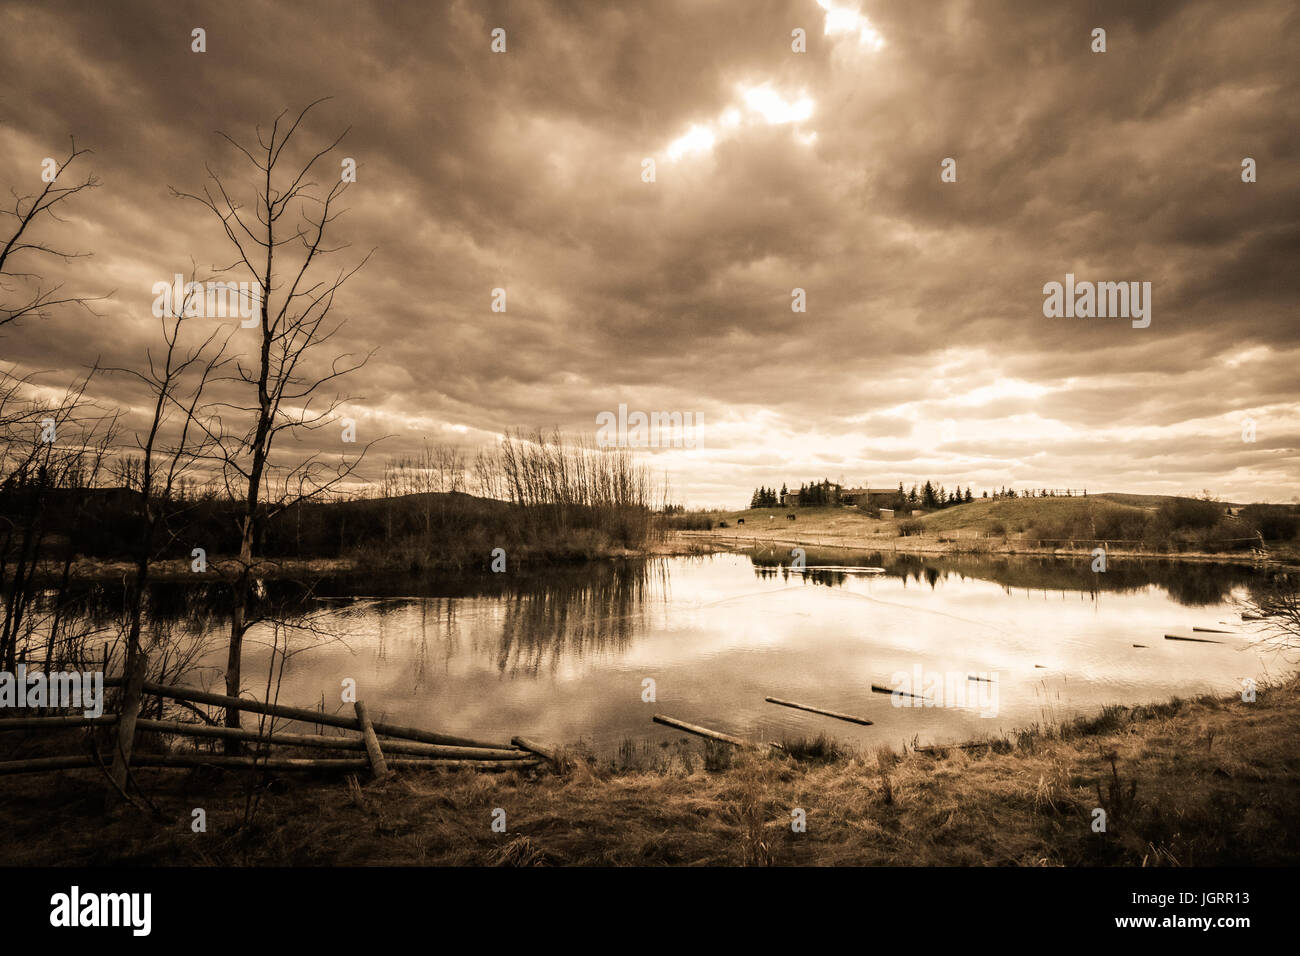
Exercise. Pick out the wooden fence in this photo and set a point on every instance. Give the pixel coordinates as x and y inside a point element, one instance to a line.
<point>418,749</point>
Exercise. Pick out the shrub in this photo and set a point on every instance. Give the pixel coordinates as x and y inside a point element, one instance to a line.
<point>1274,522</point>
<point>1193,513</point>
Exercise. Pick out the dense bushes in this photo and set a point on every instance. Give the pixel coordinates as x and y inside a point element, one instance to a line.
<point>1177,524</point>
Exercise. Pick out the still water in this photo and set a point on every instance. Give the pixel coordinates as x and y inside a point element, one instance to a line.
<point>565,657</point>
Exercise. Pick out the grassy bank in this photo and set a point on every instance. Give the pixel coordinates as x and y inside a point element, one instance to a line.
<point>986,526</point>
<point>1210,782</point>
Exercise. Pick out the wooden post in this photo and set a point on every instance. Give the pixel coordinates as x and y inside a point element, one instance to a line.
<point>378,767</point>
<point>129,713</point>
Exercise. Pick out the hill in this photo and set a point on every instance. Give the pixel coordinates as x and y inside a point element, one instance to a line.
<point>1088,517</point>
<point>1151,502</point>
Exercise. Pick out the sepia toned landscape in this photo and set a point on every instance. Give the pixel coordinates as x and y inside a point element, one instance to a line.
<point>808,433</point>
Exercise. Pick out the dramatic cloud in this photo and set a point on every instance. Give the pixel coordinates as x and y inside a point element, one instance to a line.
<point>924,351</point>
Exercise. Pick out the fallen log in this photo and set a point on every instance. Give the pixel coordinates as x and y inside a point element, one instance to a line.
<point>306,716</point>
<point>818,710</point>
<point>44,764</point>
<point>221,761</point>
<point>55,723</point>
<point>885,690</point>
<point>532,746</point>
<point>936,747</point>
<point>328,742</point>
<point>700,731</point>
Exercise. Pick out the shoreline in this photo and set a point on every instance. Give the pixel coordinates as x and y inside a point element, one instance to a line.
<point>1204,781</point>
<point>922,544</point>
<point>676,544</point>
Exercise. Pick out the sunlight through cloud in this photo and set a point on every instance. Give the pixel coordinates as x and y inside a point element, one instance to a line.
<point>769,104</point>
<point>847,20</point>
<point>697,139</point>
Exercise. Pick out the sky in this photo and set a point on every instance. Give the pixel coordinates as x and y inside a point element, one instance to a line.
<point>923,350</point>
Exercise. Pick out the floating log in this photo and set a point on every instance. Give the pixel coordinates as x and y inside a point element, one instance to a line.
<point>818,710</point>
<point>987,680</point>
<point>1139,645</point>
<point>1043,666</point>
<point>55,723</point>
<point>700,731</point>
<point>306,716</point>
<point>1211,630</point>
<point>1198,640</point>
<point>378,769</point>
<point>885,690</point>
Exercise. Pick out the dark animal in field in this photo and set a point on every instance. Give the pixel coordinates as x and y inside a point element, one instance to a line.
<point>740,521</point>
<point>791,518</point>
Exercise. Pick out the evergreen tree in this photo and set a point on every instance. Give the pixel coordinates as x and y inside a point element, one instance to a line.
<point>927,495</point>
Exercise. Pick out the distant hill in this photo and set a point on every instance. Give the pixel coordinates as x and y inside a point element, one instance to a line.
<point>1019,513</point>
<point>1151,502</point>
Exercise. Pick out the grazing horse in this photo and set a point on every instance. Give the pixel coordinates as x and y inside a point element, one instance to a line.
<point>791,517</point>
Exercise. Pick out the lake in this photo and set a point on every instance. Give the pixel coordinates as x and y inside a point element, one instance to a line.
<point>564,656</point>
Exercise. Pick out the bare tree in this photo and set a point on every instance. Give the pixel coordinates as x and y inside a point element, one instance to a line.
<point>1273,608</point>
<point>29,210</point>
<point>280,254</point>
<point>50,453</point>
<point>169,447</point>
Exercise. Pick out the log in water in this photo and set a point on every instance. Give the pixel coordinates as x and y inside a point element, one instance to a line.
<point>818,710</point>
<point>700,731</point>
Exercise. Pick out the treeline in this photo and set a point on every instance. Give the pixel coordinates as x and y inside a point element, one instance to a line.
<point>824,492</point>
<point>934,496</point>
<point>541,495</point>
<point>931,495</point>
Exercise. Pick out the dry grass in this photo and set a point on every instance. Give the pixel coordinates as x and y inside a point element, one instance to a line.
<point>1207,782</point>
